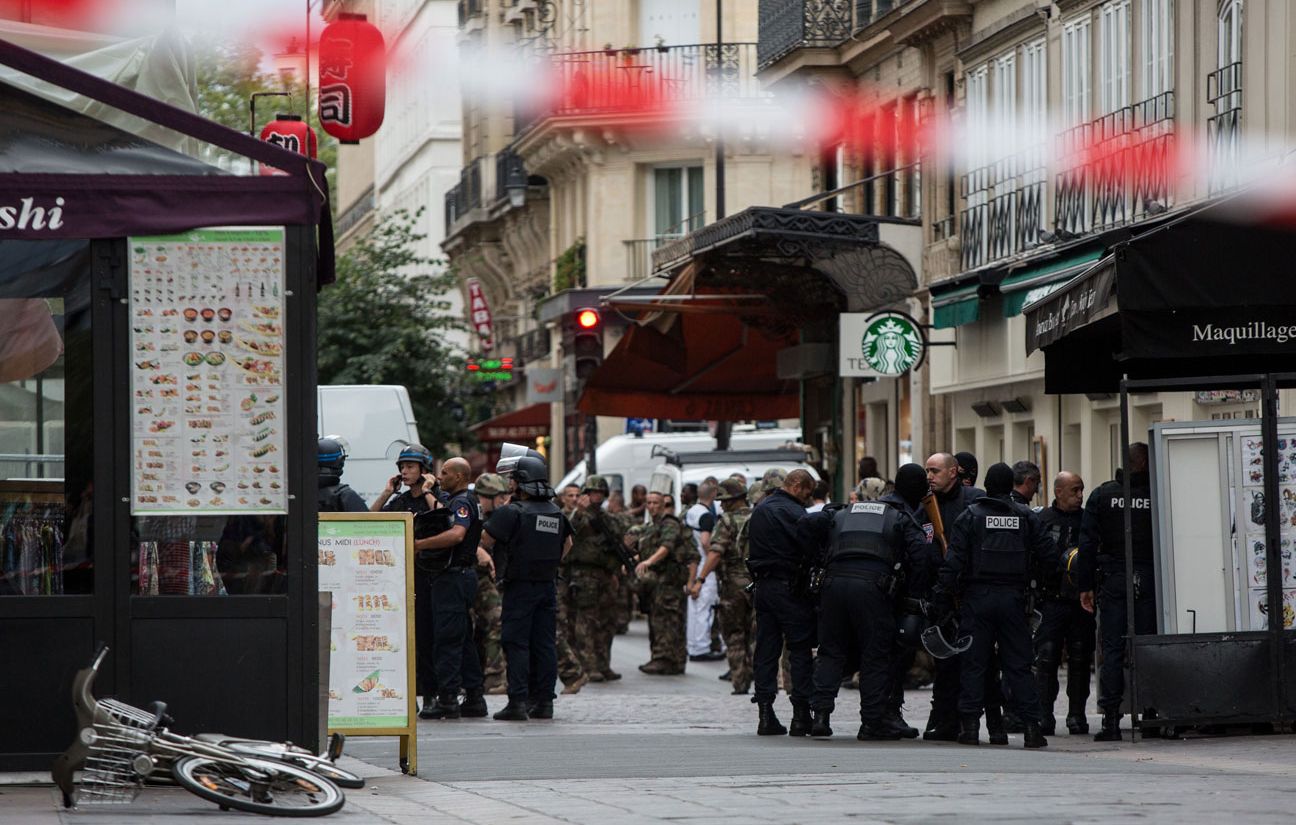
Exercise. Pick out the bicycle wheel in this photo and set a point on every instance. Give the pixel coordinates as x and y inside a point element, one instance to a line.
<point>261,786</point>
<point>300,757</point>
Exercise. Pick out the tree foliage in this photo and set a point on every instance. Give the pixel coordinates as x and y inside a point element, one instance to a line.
<point>385,322</point>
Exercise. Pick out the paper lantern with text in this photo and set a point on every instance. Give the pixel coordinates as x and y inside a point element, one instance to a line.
<point>352,78</point>
<point>292,133</point>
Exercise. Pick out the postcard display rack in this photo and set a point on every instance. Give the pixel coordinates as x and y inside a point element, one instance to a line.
<point>1209,509</point>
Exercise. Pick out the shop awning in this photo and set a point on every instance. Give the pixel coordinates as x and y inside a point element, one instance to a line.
<point>1032,283</point>
<point>1205,294</point>
<point>526,424</point>
<point>956,305</point>
<point>707,366</point>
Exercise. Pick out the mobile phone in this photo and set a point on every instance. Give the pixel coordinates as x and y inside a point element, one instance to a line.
<point>396,482</point>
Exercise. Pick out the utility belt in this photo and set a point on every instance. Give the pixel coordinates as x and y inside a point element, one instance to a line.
<point>1114,566</point>
<point>888,583</point>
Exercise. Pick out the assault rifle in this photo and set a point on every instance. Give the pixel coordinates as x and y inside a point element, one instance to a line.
<point>628,558</point>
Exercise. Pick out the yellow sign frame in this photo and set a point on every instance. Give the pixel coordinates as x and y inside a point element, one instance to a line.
<point>408,734</point>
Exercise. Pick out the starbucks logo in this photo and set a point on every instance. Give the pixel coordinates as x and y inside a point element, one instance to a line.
<point>892,343</point>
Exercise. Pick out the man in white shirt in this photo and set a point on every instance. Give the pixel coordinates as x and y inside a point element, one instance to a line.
<point>820,495</point>
<point>704,594</point>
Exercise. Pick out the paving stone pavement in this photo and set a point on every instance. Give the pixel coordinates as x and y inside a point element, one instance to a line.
<point>681,749</point>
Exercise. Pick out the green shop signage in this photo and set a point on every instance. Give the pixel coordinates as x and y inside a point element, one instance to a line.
<point>881,345</point>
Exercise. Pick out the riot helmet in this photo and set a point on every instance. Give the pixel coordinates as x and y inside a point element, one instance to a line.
<point>510,454</point>
<point>333,452</point>
<point>910,628</point>
<point>401,451</point>
<point>532,477</point>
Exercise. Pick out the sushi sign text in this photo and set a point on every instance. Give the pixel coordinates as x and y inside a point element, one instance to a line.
<point>479,314</point>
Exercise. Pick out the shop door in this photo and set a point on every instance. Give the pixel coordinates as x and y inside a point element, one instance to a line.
<point>56,442</point>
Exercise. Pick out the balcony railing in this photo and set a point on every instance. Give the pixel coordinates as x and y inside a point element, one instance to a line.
<point>1115,169</point>
<point>788,25</point>
<point>643,80</point>
<point>533,346</point>
<point>1223,129</point>
<point>1005,208</point>
<point>508,169</point>
<point>464,196</point>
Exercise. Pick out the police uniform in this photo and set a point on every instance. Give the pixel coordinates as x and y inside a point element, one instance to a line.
<point>530,534</point>
<point>336,497</point>
<point>993,547</point>
<point>869,547</point>
<point>775,557</point>
<point>942,723</point>
<point>425,647</point>
<point>1101,567</point>
<point>1063,622</point>
<point>452,592</point>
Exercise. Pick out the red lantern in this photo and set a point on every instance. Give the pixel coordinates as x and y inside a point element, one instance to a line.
<point>292,133</point>
<point>352,78</point>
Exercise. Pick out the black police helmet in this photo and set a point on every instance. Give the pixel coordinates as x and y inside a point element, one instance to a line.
<point>909,630</point>
<point>532,477</point>
<point>998,480</point>
<point>332,453</point>
<point>911,484</point>
<point>415,452</point>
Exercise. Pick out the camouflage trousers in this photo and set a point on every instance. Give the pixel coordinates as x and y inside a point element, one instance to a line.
<point>738,624</point>
<point>668,625</point>
<point>593,611</point>
<point>486,633</point>
<point>569,664</point>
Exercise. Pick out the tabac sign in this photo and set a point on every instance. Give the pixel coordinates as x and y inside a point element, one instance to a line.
<point>881,345</point>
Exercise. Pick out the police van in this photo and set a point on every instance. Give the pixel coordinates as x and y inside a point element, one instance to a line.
<point>627,460</point>
<point>677,469</point>
<point>370,417</point>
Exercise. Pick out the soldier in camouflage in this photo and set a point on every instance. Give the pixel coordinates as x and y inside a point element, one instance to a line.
<point>728,556</point>
<point>669,559</point>
<point>772,480</point>
<point>491,491</point>
<point>593,564</point>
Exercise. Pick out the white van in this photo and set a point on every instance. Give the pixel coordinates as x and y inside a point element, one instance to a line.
<point>677,469</point>
<point>370,417</point>
<point>627,460</point>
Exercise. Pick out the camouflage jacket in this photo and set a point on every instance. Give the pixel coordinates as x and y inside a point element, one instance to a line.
<point>667,531</point>
<point>730,540</point>
<point>593,530</point>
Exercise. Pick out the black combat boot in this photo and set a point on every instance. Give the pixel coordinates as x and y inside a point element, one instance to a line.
<point>995,727</point>
<point>768,724</point>
<point>1035,736</point>
<point>425,709</point>
<point>512,712</point>
<point>876,732</point>
<point>941,733</point>
<point>1110,731</point>
<point>540,710</point>
<point>969,730</point>
<point>819,729</point>
<point>1077,722</point>
<point>800,721</point>
<point>893,721</point>
<point>473,705</point>
<point>446,707</point>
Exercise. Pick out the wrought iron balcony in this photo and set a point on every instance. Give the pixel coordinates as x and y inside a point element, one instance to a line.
<point>639,254</point>
<point>1116,169</point>
<point>532,346</point>
<point>464,196</point>
<point>1223,129</point>
<point>788,25</point>
<point>642,80</point>
<point>1004,211</point>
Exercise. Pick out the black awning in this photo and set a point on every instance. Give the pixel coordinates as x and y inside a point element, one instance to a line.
<point>1207,294</point>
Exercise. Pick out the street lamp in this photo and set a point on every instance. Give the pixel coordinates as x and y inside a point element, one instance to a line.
<point>515,182</point>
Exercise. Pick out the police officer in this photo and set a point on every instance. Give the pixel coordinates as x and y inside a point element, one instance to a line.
<point>334,496</point>
<point>1064,621</point>
<point>868,547</point>
<point>1026,483</point>
<point>1101,565</point>
<point>992,548</point>
<point>776,558</point>
<point>451,559</point>
<point>414,473</point>
<point>529,538</point>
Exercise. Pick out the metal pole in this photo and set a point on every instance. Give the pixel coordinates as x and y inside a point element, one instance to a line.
<point>719,144</point>
<point>1130,650</point>
<point>1273,554</point>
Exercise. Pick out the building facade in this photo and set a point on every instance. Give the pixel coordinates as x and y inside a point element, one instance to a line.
<point>562,203</point>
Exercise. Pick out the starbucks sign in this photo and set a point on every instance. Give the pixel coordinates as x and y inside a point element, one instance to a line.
<point>881,345</point>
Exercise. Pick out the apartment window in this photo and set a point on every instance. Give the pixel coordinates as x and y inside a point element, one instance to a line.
<point>832,163</point>
<point>1005,104</point>
<point>1077,54</point>
<point>1157,42</point>
<point>1113,56</point>
<point>1034,92</point>
<point>1230,32</point>
<point>677,200</point>
<point>977,115</point>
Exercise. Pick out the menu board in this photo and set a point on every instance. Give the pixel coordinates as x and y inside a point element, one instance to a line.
<point>207,347</point>
<point>366,562</point>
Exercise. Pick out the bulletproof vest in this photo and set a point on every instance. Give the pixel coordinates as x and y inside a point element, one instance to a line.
<point>999,554</point>
<point>1111,517</point>
<point>536,547</point>
<point>330,498</point>
<point>863,530</point>
<point>465,552</point>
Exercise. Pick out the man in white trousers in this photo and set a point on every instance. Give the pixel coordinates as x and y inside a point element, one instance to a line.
<point>704,595</point>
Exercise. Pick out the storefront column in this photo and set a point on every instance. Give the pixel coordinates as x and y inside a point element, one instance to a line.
<point>844,479</point>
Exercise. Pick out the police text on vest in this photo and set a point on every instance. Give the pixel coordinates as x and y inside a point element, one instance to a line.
<point>1003,522</point>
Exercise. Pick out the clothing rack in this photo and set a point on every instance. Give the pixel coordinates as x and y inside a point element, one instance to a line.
<point>31,548</point>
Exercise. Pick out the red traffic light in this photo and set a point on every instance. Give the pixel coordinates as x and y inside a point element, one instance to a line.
<point>587,318</point>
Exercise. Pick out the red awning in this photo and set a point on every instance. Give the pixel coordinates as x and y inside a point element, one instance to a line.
<point>706,366</point>
<point>522,425</point>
